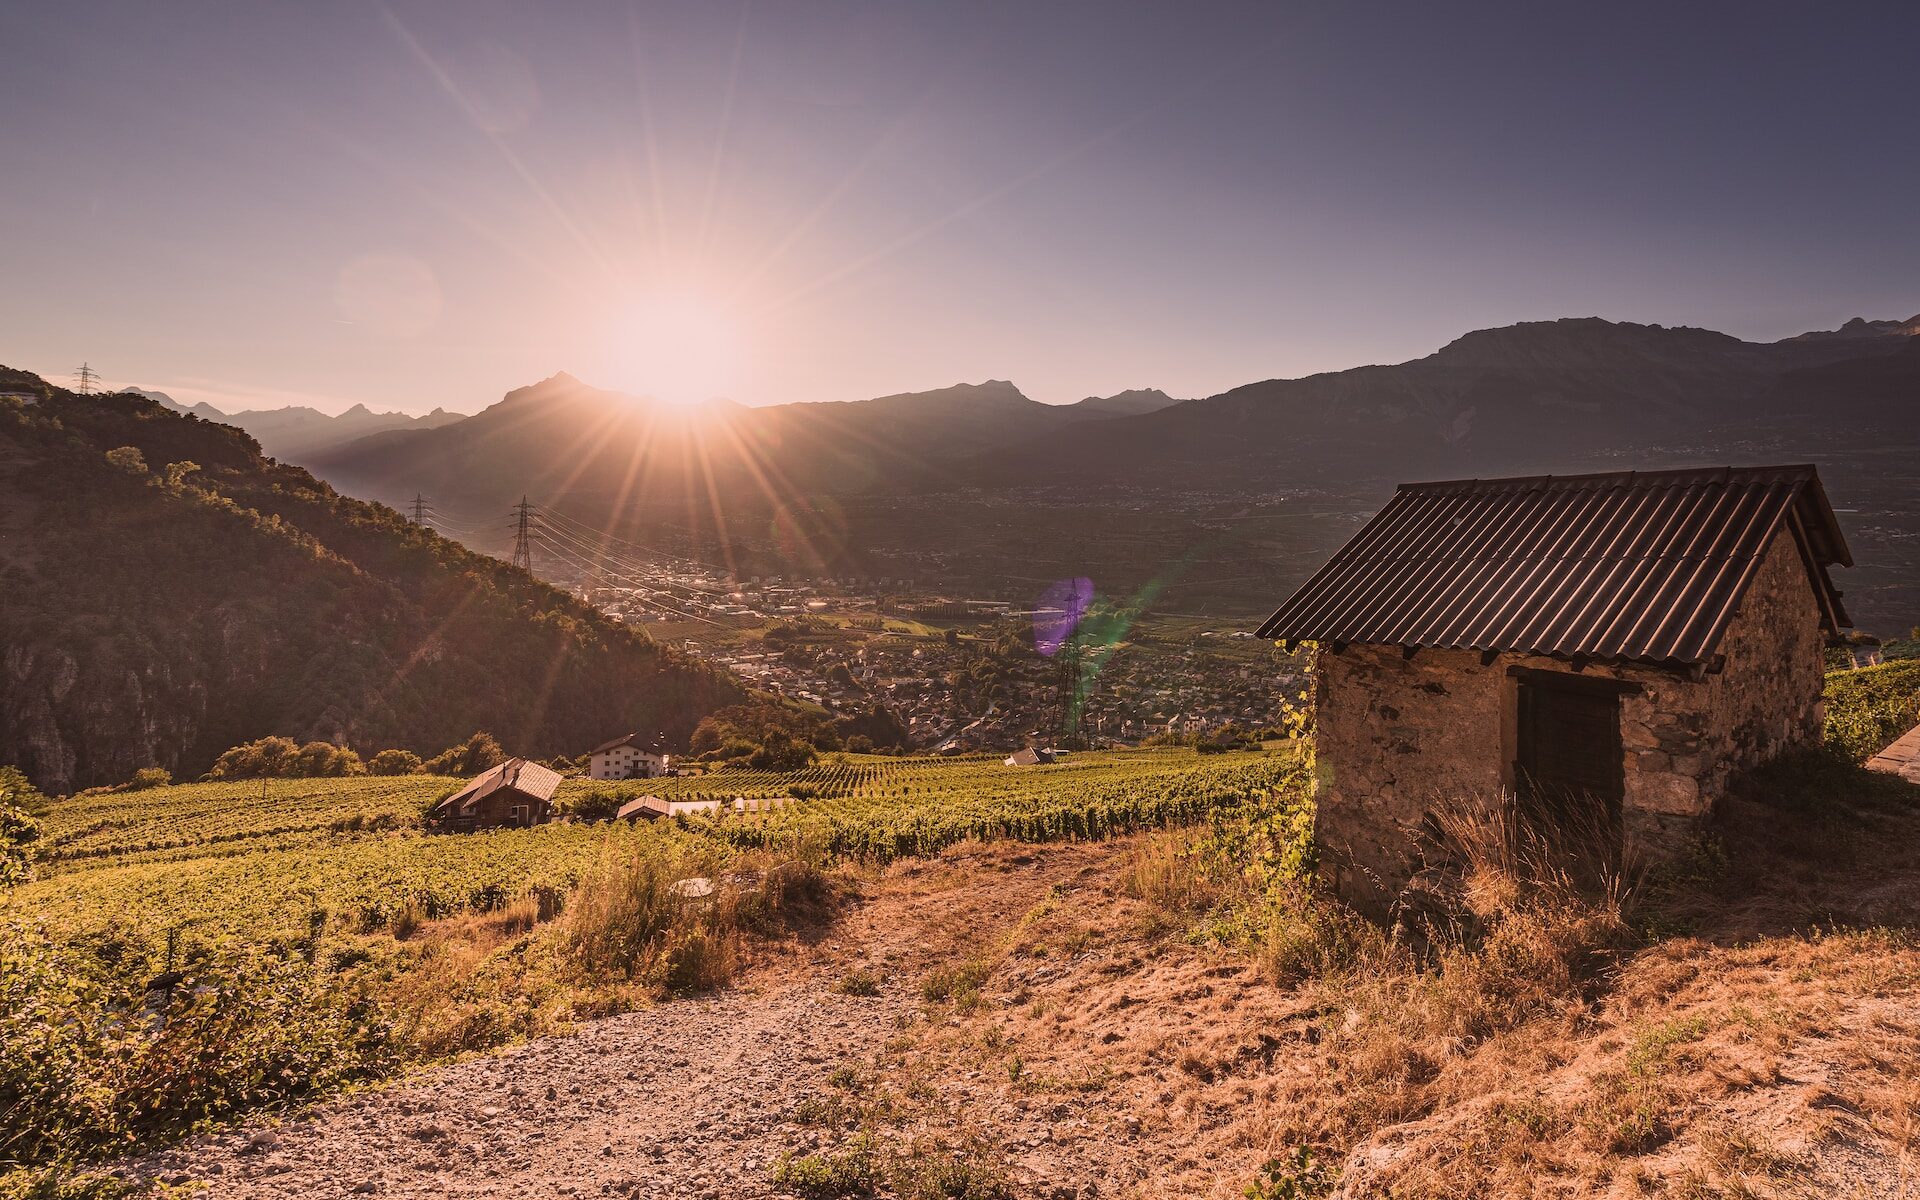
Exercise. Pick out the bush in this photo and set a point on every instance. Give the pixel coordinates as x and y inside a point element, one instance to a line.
<point>478,753</point>
<point>394,762</point>
<point>20,833</point>
<point>1868,708</point>
<point>782,754</point>
<point>107,1047</point>
<point>597,805</point>
<point>280,758</point>
<point>147,777</point>
<point>851,1170</point>
<point>625,921</point>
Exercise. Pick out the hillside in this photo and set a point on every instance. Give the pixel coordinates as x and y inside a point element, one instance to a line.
<point>297,432</point>
<point>188,594</point>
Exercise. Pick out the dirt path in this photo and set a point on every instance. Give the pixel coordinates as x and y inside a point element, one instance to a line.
<point>691,1098</point>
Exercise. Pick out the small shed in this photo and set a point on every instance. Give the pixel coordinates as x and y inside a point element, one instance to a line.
<point>513,795</point>
<point>1610,647</point>
<point>1032,756</point>
<point>645,808</point>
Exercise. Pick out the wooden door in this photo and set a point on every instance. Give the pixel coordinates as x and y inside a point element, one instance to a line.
<point>1569,763</point>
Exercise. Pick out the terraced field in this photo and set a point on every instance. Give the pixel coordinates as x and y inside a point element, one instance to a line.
<point>240,858</point>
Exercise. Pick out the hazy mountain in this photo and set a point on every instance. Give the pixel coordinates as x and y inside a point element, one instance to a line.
<point>1860,327</point>
<point>1127,404</point>
<point>191,595</point>
<point>297,432</point>
<point>642,463</point>
<point>1548,395</point>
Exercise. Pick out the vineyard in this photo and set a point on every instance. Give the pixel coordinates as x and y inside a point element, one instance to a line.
<point>240,858</point>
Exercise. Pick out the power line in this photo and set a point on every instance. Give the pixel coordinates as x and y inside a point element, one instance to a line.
<point>419,510</point>
<point>89,379</point>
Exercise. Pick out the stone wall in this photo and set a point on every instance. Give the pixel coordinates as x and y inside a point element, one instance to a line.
<point>1397,737</point>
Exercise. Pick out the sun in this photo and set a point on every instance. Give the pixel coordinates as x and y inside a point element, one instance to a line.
<point>681,347</point>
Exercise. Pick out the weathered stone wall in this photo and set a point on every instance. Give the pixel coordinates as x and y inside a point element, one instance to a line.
<point>1397,737</point>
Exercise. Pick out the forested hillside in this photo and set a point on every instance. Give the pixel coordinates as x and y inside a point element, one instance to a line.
<point>166,592</point>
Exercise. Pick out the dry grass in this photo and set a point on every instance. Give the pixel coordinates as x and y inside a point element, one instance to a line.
<point>1742,1023</point>
<point>622,938</point>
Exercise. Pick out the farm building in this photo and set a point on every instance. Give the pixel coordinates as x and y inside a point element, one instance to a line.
<point>644,808</point>
<point>515,794</point>
<point>1613,647</point>
<point>624,758</point>
<point>1032,756</point>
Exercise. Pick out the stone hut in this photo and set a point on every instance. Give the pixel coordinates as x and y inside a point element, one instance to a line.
<point>1614,645</point>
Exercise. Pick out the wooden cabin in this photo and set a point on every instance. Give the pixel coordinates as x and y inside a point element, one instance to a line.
<point>514,795</point>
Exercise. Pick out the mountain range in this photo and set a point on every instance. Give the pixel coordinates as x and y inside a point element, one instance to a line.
<point>297,432</point>
<point>978,486</point>
<point>166,592</point>
<point>1542,395</point>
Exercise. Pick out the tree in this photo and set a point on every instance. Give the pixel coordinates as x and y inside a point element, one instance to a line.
<point>394,762</point>
<point>280,758</point>
<point>128,459</point>
<point>147,777</point>
<point>478,753</point>
<point>782,753</point>
<point>20,833</point>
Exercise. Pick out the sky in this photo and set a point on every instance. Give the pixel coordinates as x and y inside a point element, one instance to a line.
<point>414,205</point>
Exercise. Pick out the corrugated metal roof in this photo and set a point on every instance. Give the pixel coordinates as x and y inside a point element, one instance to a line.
<point>1642,566</point>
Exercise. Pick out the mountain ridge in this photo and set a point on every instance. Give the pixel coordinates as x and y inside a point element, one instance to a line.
<point>295,431</point>
<point>170,592</point>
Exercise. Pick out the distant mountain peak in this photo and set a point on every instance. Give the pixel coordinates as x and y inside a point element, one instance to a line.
<point>1860,327</point>
<point>1131,403</point>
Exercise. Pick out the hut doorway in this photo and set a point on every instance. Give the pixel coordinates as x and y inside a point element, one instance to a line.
<point>1569,765</point>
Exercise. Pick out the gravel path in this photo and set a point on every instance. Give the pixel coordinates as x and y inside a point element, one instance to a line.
<point>688,1099</point>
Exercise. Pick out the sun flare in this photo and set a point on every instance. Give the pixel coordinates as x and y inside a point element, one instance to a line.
<point>681,347</point>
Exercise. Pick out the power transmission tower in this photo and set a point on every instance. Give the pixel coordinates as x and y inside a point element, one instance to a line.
<point>418,509</point>
<point>522,547</point>
<point>89,379</point>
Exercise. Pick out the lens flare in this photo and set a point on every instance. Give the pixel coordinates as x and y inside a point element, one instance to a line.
<point>1057,613</point>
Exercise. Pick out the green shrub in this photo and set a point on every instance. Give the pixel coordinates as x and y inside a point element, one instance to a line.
<point>20,833</point>
<point>147,777</point>
<point>858,982</point>
<point>281,758</point>
<point>394,762</point>
<point>853,1169</point>
<point>597,805</point>
<point>1868,708</point>
<point>478,753</point>
<point>110,1045</point>
<point>1297,1177</point>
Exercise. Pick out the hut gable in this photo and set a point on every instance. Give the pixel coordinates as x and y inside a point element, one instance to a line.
<point>1629,639</point>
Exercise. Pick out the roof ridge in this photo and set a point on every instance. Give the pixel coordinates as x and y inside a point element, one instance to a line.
<point>1665,475</point>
